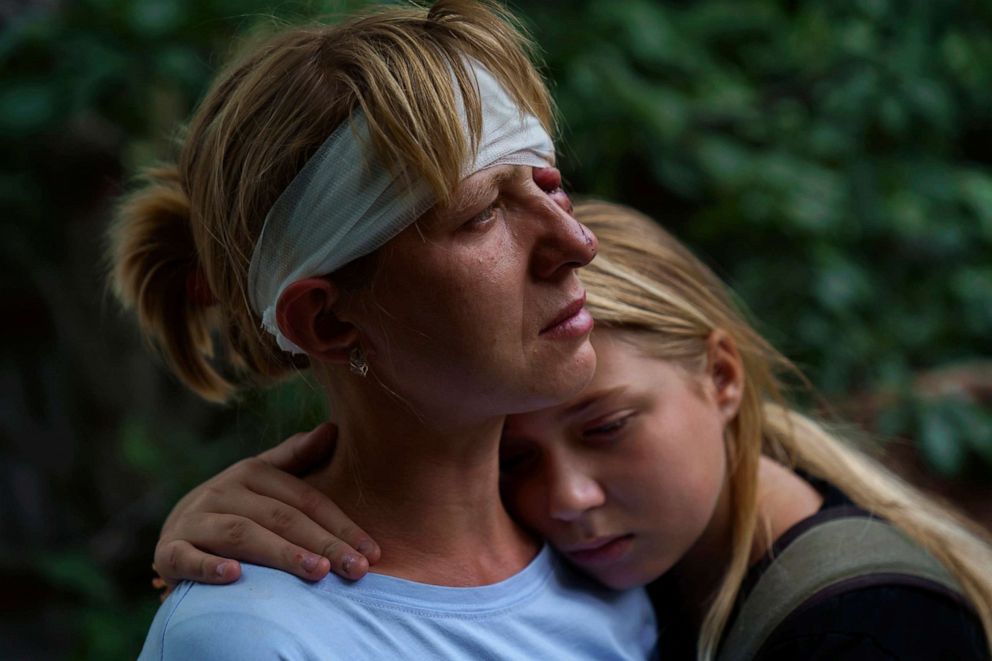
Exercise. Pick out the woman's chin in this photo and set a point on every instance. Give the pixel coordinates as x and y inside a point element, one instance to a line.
<point>558,383</point>
<point>584,368</point>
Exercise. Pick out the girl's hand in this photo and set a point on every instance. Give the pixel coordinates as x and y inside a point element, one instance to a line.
<point>258,511</point>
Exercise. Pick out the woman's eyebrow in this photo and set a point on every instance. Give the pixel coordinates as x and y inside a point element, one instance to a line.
<point>482,193</point>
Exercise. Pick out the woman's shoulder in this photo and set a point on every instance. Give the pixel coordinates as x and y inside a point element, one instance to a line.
<point>540,612</point>
<point>263,615</point>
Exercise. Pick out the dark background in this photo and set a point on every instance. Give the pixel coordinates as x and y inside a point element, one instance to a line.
<point>832,160</point>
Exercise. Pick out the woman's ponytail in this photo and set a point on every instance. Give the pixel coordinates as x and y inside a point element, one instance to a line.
<point>156,273</point>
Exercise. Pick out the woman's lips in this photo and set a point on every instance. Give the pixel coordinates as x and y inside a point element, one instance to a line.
<point>573,321</point>
<point>602,552</point>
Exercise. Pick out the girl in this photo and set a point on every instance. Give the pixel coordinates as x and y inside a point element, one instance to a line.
<point>680,466</point>
<point>373,199</point>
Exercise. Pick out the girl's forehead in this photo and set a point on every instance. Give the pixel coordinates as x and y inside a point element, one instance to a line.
<point>614,382</point>
<point>624,370</point>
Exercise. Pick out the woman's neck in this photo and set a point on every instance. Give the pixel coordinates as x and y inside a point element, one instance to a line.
<point>428,493</point>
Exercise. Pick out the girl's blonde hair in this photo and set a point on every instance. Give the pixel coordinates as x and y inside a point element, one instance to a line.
<point>645,281</point>
<point>187,234</point>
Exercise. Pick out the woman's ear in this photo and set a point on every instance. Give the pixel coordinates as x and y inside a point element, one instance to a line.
<point>725,368</point>
<point>305,314</point>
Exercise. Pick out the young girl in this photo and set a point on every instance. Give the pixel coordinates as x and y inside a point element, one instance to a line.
<point>373,199</point>
<point>680,465</point>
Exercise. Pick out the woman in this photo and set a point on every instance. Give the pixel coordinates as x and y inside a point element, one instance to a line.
<point>679,465</point>
<point>370,195</point>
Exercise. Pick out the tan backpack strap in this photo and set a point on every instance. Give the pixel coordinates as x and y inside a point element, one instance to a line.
<point>824,555</point>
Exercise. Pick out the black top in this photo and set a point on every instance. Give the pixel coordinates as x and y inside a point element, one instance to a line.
<point>882,616</point>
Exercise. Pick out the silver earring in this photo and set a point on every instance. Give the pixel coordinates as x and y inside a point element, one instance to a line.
<point>357,362</point>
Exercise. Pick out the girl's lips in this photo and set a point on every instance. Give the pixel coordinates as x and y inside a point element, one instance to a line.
<point>609,551</point>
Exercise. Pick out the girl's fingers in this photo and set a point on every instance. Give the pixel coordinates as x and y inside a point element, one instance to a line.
<point>294,530</point>
<point>237,522</point>
<point>258,513</point>
<point>178,560</point>
<point>301,453</point>
<point>245,538</point>
<point>317,508</point>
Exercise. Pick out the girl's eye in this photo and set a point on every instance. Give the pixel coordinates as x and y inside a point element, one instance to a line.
<point>607,430</point>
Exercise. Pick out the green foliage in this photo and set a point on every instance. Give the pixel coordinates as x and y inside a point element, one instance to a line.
<point>951,430</point>
<point>831,159</point>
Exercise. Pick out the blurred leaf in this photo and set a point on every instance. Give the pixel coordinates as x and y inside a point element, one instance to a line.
<point>27,106</point>
<point>893,421</point>
<point>976,192</point>
<point>974,427</point>
<point>939,440</point>
<point>139,449</point>
<point>154,18</point>
<point>116,632</point>
<point>73,572</point>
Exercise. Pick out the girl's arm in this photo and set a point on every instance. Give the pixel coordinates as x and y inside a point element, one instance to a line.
<point>259,511</point>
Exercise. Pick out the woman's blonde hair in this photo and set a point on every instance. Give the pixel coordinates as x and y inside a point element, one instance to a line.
<point>645,281</point>
<point>182,242</point>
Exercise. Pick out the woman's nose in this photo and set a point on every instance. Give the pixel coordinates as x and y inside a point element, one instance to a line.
<point>563,244</point>
<point>549,180</point>
<point>572,493</point>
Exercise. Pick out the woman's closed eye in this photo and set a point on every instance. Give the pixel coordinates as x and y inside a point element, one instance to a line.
<point>482,219</point>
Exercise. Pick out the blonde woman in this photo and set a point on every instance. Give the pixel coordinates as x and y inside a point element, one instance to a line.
<point>374,200</point>
<point>680,466</point>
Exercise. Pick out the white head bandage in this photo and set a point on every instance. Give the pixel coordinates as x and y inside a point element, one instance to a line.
<point>343,205</point>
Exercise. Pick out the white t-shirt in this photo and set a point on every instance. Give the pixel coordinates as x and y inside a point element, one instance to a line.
<point>546,611</point>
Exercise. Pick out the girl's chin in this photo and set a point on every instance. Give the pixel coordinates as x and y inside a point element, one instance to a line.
<point>621,581</point>
<point>620,578</point>
<point>628,576</point>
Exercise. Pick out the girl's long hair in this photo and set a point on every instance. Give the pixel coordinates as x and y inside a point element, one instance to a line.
<point>645,281</point>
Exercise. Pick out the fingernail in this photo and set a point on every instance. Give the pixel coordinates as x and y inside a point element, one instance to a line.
<point>310,563</point>
<point>366,548</point>
<point>348,563</point>
<point>221,568</point>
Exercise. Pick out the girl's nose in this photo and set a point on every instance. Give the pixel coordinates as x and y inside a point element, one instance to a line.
<point>572,493</point>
